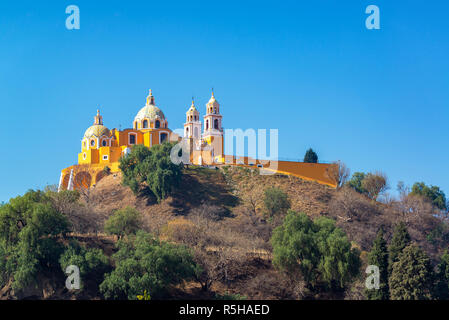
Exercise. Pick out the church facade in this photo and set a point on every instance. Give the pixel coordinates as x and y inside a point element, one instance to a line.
<point>102,148</point>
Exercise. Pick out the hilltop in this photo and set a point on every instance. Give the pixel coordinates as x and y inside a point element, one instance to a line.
<point>226,206</point>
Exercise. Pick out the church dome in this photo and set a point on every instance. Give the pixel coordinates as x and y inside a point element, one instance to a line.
<point>150,111</point>
<point>97,129</point>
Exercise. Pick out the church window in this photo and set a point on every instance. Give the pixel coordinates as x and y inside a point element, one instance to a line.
<point>216,124</point>
<point>164,137</point>
<point>207,124</point>
<point>145,124</point>
<point>105,157</point>
<point>132,139</point>
<point>104,143</point>
<point>92,142</point>
<point>187,132</point>
<point>158,124</point>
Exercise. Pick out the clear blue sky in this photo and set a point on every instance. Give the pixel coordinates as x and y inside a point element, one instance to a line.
<point>376,99</point>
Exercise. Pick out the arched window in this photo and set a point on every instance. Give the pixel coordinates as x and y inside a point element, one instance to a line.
<point>104,143</point>
<point>158,124</point>
<point>132,139</point>
<point>187,132</point>
<point>216,124</point>
<point>207,124</point>
<point>145,124</point>
<point>92,142</point>
<point>164,137</point>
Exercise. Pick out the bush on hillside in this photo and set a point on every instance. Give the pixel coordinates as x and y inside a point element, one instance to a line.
<point>276,202</point>
<point>124,222</point>
<point>146,264</point>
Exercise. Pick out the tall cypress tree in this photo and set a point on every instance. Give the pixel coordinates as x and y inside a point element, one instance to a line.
<point>310,156</point>
<point>412,275</point>
<point>442,277</point>
<point>378,256</point>
<point>401,239</point>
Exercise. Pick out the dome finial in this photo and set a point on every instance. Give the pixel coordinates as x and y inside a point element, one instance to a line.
<point>150,98</point>
<point>193,102</point>
<point>213,92</point>
<point>98,119</point>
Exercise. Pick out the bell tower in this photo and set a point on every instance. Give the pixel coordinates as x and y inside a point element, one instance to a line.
<point>213,130</point>
<point>192,126</point>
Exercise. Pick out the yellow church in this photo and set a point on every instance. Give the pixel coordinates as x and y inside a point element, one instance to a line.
<point>102,148</point>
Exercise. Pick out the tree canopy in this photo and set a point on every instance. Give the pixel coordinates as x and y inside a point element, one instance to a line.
<point>124,222</point>
<point>151,170</point>
<point>412,275</point>
<point>146,264</point>
<point>311,156</point>
<point>433,194</point>
<point>317,250</point>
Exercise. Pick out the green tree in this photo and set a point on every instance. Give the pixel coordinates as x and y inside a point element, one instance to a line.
<point>93,264</point>
<point>317,250</point>
<point>442,277</point>
<point>412,275</point>
<point>310,156</point>
<point>356,182</point>
<point>151,170</point>
<point>374,184</point>
<point>144,263</point>
<point>276,202</point>
<point>378,256</point>
<point>29,225</point>
<point>432,194</point>
<point>401,239</point>
<point>124,222</point>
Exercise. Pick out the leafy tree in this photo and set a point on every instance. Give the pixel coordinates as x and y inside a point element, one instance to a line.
<point>442,277</point>
<point>374,184</point>
<point>151,170</point>
<point>28,226</point>
<point>310,156</point>
<point>412,275</point>
<point>124,222</point>
<point>432,193</point>
<point>356,182</point>
<point>93,264</point>
<point>276,202</point>
<point>144,263</point>
<point>317,250</point>
<point>400,240</point>
<point>378,256</point>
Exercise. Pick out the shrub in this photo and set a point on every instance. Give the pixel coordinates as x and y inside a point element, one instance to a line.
<point>123,222</point>
<point>144,263</point>
<point>276,202</point>
<point>93,264</point>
